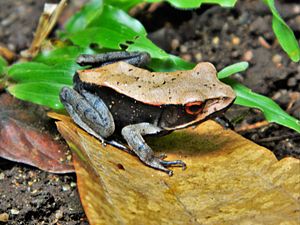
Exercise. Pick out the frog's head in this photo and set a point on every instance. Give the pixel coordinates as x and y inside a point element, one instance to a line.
<point>203,96</point>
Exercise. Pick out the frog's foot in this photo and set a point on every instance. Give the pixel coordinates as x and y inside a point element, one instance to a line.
<point>224,122</point>
<point>162,165</point>
<point>133,135</point>
<point>179,163</point>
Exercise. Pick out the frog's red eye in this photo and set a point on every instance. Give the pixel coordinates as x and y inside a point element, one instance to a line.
<point>193,108</point>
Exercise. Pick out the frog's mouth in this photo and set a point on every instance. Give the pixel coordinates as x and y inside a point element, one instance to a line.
<point>214,106</point>
<point>211,109</point>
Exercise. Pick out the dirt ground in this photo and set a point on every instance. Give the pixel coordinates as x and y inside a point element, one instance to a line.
<point>221,36</point>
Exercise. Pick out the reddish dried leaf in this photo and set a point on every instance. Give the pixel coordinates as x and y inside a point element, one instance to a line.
<point>228,180</point>
<point>25,137</point>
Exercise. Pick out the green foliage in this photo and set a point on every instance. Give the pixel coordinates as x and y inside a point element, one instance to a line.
<point>55,68</point>
<point>62,54</point>
<point>197,3</point>
<point>232,69</point>
<point>284,34</point>
<point>40,83</point>
<point>82,18</point>
<point>3,65</point>
<point>115,29</point>
<point>42,93</point>
<point>184,4</point>
<point>110,29</point>
<point>271,110</point>
<point>60,73</point>
<point>125,5</point>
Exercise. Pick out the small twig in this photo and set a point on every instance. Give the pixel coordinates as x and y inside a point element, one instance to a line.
<point>253,126</point>
<point>278,138</point>
<point>154,6</point>
<point>138,8</point>
<point>7,54</point>
<point>144,6</point>
<point>46,23</point>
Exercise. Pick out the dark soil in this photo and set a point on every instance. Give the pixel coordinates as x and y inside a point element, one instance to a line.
<point>32,196</point>
<point>221,36</point>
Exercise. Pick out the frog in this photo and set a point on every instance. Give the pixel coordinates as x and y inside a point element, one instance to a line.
<point>120,102</point>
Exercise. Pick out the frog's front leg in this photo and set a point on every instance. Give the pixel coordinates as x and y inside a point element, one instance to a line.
<point>89,112</point>
<point>133,135</point>
<point>224,122</point>
<point>138,59</point>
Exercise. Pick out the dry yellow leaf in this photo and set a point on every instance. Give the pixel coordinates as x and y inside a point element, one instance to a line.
<point>229,180</point>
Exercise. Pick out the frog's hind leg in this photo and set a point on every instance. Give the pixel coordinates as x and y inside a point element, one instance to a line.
<point>133,135</point>
<point>89,112</point>
<point>139,59</point>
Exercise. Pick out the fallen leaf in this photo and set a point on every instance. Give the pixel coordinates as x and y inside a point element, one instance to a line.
<point>228,180</point>
<point>25,137</point>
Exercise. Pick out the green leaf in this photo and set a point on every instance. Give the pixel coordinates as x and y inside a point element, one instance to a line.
<point>103,37</point>
<point>142,43</point>
<point>284,33</point>
<point>111,29</point>
<point>184,4</point>
<point>113,17</point>
<point>42,93</point>
<point>271,110</point>
<point>47,74</point>
<point>232,69</point>
<point>187,4</point>
<point>61,73</point>
<point>62,54</point>
<point>84,17</point>
<point>172,63</point>
<point>123,4</point>
<point>114,29</point>
<point>3,65</point>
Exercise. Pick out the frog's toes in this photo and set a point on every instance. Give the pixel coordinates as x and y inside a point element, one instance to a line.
<point>179,163</point>
<point>157,164</point>
<point>165,163</point>
<point>162,165</point>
